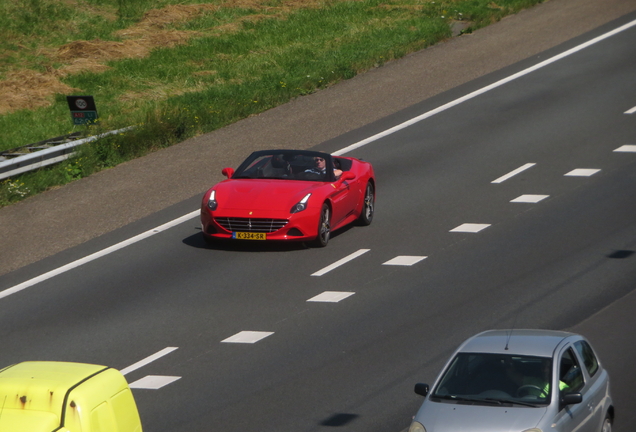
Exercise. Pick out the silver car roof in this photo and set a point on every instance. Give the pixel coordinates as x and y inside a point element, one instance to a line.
<point>541,343</point>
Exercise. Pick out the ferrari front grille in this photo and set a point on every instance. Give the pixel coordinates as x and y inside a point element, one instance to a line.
<point>251,225</point>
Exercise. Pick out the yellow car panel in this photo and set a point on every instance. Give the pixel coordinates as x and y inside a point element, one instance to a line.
<point>51,396</point>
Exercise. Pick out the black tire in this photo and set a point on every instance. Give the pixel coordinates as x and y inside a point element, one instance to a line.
<point>324,227</point>
<point>368,205</point>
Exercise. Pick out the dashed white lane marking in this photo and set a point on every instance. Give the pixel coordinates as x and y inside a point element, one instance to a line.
<point>470,228</point>
<point>342,151</point>
<point>631,111</point>
<point>341,262</point>
<point>514,173</point>
<point>627,148</point>
<point>582,172</point>
<point>153,382</point>
<point>247,337</point>
<point>331,296</point>
<point>405,260</point>
<point>99,254</point>
<point>148,359</point>
<point>529,198</point>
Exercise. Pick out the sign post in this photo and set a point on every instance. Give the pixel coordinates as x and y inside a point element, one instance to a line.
<point>83,110</point>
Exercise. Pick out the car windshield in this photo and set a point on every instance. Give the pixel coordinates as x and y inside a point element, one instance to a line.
<point>287,165</point>
<point>488,378</point>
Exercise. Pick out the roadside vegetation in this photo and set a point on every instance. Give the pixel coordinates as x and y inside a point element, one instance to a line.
<point>175,69</point>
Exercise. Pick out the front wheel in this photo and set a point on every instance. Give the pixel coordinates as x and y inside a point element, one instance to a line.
<point>607,425</point>
<point>324,227</point>
<point>368,205</point>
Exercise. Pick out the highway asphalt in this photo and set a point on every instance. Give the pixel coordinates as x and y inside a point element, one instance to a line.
<point>513,208</point>
<point>66,217</point>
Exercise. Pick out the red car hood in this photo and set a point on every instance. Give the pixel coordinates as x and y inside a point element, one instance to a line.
<point>262,194</point>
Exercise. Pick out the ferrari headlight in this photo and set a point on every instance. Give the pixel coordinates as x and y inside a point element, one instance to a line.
<point>300,205</point>
<point>416,427</point>
<point>212,204</point>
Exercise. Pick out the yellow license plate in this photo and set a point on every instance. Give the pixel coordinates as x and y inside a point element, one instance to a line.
<point>249,236</point>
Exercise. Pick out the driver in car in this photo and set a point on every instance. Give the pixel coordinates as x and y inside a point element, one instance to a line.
<point>533,385</point>
<point>321,167</point>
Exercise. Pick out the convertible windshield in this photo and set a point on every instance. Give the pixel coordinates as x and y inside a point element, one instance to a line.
<point>496,377</point>
<point>287,165</point>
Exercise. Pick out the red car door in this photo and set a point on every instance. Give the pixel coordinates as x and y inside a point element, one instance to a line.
<point>345,199</point>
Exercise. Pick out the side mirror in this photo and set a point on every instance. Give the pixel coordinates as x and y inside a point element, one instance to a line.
<point>228,172</point>
<point>347,175</point>
<point>421,389</point>
<point>571,399</point>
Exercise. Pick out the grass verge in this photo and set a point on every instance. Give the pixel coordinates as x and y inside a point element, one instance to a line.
<point>177,69</point>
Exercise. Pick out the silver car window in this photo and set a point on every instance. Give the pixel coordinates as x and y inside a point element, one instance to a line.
<point>570,374</point>
<point>503,377</point>
<point>588,356</point>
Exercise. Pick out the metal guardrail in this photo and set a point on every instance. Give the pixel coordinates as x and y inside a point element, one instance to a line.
<point>48,152</point>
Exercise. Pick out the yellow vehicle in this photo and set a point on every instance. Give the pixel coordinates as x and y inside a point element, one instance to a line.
<point>66,397</point>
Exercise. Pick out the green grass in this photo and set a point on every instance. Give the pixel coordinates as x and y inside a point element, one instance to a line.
<point>240,61</point>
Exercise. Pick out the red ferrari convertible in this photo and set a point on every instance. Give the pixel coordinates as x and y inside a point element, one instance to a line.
<point>293,195</point>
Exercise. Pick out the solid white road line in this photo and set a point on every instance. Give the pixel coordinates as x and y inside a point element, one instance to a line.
<point>513,173</point>
<point>96,255</point>
<point>582,172</point>
<point>247,337</point>
<point>404,260</point>
<point>631,111</point>
<point>347,149</point>
<point>331,296</point>
<point>529,198</point>
<point>470,228</point>
<point>341,262</point>
<point>627,148</point>
<point>484,89</point>
<point>153,382</point>
<point>148,359</point>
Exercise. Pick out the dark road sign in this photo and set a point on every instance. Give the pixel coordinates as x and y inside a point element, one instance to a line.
<point>83,109</point>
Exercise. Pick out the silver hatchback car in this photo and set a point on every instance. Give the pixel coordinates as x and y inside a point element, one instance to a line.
<point>518,381</point>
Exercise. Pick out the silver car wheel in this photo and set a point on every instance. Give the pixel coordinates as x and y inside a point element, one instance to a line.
<point>324,226</point>
<point>368,205</point>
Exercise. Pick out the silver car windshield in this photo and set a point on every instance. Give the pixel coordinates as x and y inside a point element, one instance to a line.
<point>496,378</point>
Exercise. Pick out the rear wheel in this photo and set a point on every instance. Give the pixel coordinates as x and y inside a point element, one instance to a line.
<point>607,425</point>
<point>324,227</point>
<point>368,205</point>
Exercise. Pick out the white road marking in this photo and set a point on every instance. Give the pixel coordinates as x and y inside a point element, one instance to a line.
<point>582,172</point>
<point>331,296</point>
<point>529,198</point>
<point>247,337</point>
<point>631,111</point>
<point>153,382</point>
<point>148,359</point>
<point>340,262</point>
<point>484,89</point>
<point>627,148</point>
<point>347,149</point>
<point>96,255</point>
<point>404,260</point>
<point>513,173</point>
<point>470,228</point>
